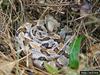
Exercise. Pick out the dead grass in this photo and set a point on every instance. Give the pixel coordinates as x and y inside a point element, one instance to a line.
<point>14,13</point>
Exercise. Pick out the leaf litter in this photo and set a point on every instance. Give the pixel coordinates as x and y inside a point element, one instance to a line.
<point>43,34</point>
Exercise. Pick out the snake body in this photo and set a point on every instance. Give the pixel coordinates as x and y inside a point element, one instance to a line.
<point>43,45</point>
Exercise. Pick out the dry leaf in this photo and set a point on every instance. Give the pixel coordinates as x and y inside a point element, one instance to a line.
<point>64,31</point>
<point>85,9</point>
<point>51,23</point>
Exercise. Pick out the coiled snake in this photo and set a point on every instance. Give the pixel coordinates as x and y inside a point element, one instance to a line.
<point>45,46</point>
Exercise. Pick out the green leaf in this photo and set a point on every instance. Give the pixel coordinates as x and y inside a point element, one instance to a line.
<point>52,70</point>
<point>75,49</point>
